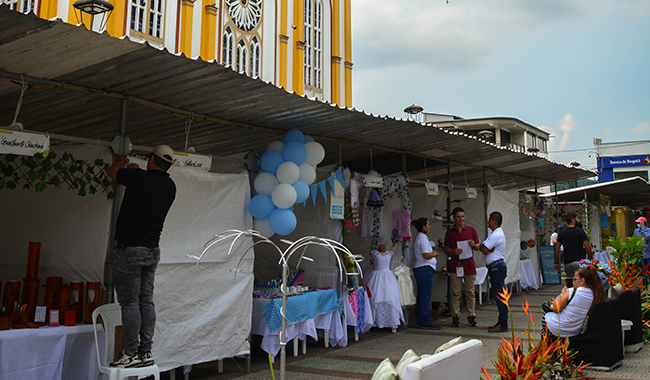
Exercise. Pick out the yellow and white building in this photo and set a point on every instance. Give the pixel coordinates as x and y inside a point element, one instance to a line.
<point>304,46</point>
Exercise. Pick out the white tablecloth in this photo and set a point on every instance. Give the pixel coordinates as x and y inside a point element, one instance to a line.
<point>330,322</point>
<point>49,353</point>
<point>528,278</point>
<point>349,313</point>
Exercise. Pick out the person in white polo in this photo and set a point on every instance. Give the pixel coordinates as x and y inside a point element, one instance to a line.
<point>494,248</point>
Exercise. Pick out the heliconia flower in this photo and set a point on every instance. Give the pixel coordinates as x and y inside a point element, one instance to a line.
<point>556,303</point>
<point>526,306</point>
<point>504,296</point>
<point>487,374</point>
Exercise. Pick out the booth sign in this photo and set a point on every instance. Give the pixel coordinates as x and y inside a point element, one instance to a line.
<point>23,143</point>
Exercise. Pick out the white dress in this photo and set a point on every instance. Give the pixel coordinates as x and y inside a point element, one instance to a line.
<point>385,303</point>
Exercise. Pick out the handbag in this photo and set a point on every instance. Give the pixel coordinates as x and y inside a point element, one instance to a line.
<point>546,306</point>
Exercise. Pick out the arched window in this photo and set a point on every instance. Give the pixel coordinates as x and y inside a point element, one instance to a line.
<point>313,43</point>
<point>228,46</point>
<point>242,57</point>
<point>255,58</point>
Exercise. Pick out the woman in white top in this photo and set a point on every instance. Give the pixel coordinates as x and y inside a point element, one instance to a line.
<point>575,304</point>
<point>424,268</point>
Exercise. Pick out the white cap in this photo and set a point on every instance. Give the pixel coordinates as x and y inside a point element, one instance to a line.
<point>164,152</point>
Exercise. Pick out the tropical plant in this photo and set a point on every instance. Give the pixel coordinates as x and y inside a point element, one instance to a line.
<point>628,252</point>
<point>544,358</point>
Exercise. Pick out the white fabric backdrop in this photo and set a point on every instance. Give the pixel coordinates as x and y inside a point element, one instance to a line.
<point>507,203</point>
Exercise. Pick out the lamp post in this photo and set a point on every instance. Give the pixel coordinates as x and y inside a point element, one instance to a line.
<point>93,7</point>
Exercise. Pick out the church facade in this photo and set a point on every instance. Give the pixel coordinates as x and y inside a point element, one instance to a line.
<point>304,46</point>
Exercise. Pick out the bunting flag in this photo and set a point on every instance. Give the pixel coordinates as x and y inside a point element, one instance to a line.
<point>313,191</point>
<point>322,186</point>
<point>339,176</point>
<point>323,189</point>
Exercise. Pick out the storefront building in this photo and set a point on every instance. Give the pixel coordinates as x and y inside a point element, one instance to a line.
<point>621,160</point>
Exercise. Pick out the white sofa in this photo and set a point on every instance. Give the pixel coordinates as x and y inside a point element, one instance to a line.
<point>462,361</point>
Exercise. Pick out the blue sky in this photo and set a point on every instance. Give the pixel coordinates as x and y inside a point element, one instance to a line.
<point>577,68</point>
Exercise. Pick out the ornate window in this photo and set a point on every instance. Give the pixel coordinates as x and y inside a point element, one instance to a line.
<point>22,6</point>
<point>228,46</point>
<point>242,57</point>
<point>246,14</point>
<point>313,43</point>
<point>147,18</point>
<point>255,58</point>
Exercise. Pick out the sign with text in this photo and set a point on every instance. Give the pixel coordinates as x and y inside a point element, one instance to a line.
<point>23,143</point>
<point>547,260</point>
<point>618,162</point>
<point>432,188</point>
<point>192,161</point>
<point>337,201</point>
<point>471,192</point>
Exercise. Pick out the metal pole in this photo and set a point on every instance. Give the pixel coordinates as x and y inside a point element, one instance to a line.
<point>539,258</point>
<point>283,336</point>
<point>449,187</point>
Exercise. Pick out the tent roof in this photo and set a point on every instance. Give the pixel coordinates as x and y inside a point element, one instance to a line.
<point>79,79</point>
<point>631,192</point>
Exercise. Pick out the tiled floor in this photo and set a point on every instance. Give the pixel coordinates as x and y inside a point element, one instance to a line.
<point>359,359</point>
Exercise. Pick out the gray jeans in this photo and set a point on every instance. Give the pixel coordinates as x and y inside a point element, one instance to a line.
<point>134,270</point>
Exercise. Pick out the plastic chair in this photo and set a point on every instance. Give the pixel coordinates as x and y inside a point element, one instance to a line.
<point>111,317</point>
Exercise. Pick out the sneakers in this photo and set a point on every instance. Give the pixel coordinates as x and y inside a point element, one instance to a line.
<point>455,322</point>
<point>127,361</point>
<point>471,321</point>
<point>146,358</point>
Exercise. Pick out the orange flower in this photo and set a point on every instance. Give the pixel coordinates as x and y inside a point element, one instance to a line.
<point>556,303</point>
<point>526,306</point>
<point>504,296</point>
<point>487,374</point>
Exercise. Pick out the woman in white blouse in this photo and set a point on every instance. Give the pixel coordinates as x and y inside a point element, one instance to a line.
<point>575,304</point>
<point>423,269</point>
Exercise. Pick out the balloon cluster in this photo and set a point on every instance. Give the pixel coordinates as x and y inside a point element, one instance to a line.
<point>288,168</point>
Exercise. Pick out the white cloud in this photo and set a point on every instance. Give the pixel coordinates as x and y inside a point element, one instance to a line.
<point>642,128</point>
<point>553,141</point>
<point>567,125</point>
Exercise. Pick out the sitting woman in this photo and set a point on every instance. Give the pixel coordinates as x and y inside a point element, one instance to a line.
<point>575,304</point>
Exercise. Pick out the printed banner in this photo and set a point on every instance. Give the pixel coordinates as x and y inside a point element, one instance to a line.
<point>337,201</point>
<point>193,161</point>
<point>23,143</point>
<point>432,188</point>
<point>471,192</point>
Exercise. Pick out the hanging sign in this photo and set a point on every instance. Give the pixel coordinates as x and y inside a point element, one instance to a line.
<point>432,188</point>
<point>471,192</point>
<point>23,143</point>
<point>193,161</point>
<point>337,201</point>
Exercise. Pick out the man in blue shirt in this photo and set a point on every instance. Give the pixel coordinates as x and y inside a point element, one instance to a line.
<point>644,232</point>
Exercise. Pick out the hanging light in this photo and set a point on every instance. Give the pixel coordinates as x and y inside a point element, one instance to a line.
<point>93,7</point>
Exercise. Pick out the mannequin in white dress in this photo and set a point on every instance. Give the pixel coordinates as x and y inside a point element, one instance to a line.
<point>385,303</point>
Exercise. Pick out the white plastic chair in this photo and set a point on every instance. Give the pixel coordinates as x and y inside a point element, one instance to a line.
<point>112,316</point>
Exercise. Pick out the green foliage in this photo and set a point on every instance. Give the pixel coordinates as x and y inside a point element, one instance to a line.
<point>42,172</point>
<point>628,252</point>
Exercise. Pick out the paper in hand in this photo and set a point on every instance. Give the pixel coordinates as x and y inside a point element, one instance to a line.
<point>467,250</point>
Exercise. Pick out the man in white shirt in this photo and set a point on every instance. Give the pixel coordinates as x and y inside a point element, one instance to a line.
<point>494,248</point>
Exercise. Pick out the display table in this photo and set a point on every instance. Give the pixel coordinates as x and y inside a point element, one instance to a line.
<point>305,314</point>
<point>528,278</point>
<point>49,353</point>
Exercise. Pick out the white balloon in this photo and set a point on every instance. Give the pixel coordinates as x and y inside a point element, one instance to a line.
<point>277,146</point>
<point>288,172</point>
<point>263,227</point>
<point>315,153</point>
<point>307,173</point>
<point>284,195</point>
<point>265,183</point>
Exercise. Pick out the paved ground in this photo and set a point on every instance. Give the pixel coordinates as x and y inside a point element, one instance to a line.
<point>359,359</point>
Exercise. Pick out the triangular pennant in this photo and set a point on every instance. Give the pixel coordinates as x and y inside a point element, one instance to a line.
<point>323,189</point>
<point>331,182</point>
<point>313,189</point>
<point>339,176</point>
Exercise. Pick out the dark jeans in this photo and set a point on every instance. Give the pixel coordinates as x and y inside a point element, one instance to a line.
<point>134,269</point>
<point>498,272</point>
<point>424,277</point>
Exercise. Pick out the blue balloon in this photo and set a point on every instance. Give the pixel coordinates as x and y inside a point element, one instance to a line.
<point>294,152</point>
<point>270,161</point>
<point>261,206</point>
<point>308,139</point>
<point>302,190</point>
<point>604,223</point>
<point>282,221</point>
<point>604,216</point>
<point>613,227</point>
<point>294,135</point>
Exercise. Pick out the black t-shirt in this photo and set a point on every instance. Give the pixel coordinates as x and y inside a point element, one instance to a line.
<point>572,239</point>
<point>148,197</point>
